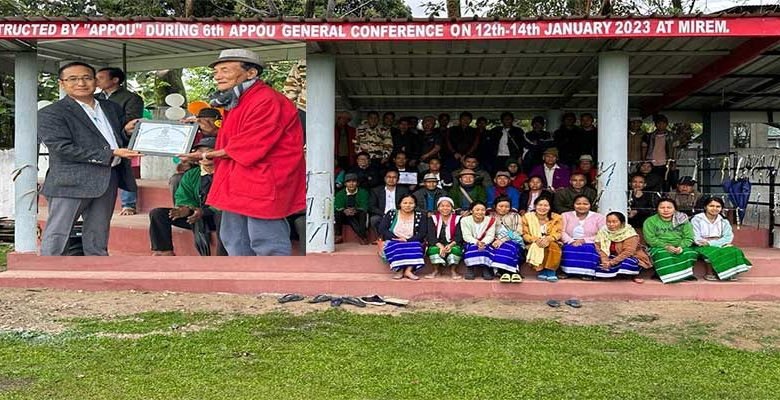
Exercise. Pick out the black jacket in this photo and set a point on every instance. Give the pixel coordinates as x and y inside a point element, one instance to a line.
<point>420,227</point>
<point>376,199</point>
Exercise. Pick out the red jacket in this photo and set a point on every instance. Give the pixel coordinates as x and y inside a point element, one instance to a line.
<point>264,175</point>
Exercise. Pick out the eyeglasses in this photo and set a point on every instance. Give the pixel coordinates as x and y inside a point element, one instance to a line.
<point>72,80</point>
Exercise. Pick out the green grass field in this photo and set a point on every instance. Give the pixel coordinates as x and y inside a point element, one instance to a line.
<point>4,250</point>
<point>341,355</point>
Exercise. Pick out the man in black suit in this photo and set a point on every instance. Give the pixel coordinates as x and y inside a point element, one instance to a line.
<point>110,80</point>
<point>86,138</point>
<point>385,198</point>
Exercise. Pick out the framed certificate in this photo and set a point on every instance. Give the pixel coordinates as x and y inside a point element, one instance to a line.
<point>407,178</point>
<point>163,138</point>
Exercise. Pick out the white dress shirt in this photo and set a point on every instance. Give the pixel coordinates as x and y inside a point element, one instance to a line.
<point>98,117</point>
<point>389,199</point>
<point>503,144</point>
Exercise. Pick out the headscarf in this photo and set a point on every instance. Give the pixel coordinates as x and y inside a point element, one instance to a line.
<point>606,237</point>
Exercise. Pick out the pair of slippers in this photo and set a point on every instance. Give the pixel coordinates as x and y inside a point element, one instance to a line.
<point>336,301</point>
<point>511,278</point>
<point>573,303</point>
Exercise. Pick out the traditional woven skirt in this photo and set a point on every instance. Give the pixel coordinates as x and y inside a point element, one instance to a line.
<point>725,261</point>
<point>629,266</point>
<point>673,267</point>
<point>475,257</point>
<point>404,254</point>
<point>453,258</point>
<point>506,257</point>
<point>580,260</point>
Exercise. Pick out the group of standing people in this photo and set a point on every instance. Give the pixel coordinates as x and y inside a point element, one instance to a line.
<point>580,242</point>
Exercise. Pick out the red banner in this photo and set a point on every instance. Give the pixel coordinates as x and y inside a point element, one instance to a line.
<point>344,31</point>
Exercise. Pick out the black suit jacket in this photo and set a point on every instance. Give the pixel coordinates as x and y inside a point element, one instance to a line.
<point>515,142</point>
<point>377,198</point>
<point>79,156</point>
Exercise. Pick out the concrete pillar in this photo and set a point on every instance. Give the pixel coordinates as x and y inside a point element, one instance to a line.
<point>717,140</point>
<point>612,117</point>
<point>320,143</point>
<point>26,151</point>
<point>553,119</point>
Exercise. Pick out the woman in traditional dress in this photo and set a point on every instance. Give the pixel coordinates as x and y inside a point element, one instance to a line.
<point>404,231</point>
<point>443,249</point>
<point>475,233</point>
<point>713,236</point>
<point>580,227</point>
<point>508,244</point>
<point>670,236</point>
<point>619,249</point>
<point>541,232</point>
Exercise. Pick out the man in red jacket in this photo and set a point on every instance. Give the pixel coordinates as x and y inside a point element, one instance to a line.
<point>260,169</point>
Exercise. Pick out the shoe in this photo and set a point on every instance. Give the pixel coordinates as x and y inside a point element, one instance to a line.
<point>320,298</point>
<point>516,278</point>
<point>505,278</point>
<point>393,301</point>
<point>336,302</point>
<point>587,278</point>
<point>553,303</point>
<point>487,274</point>
<point>710,277</point>
<point>374,300</point>
<point>573,303</point>
<point>542,276</point>
<point>552,278</point>
<point>469,275</point>
<point>354,301</point>
<point>290,297</point>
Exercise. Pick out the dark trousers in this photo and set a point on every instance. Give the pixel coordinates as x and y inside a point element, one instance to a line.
<point>358,223</point>
<point>161,229</point>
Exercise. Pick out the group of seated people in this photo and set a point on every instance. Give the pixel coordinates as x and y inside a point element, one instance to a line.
<point>498,240</point>
<point>437,200</point>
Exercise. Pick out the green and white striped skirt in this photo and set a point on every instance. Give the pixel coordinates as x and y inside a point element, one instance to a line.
<point>673,267</point>
<point>453,258</point>
<point>725,261</point>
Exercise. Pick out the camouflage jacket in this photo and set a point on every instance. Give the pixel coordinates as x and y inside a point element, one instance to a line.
<point>376,141</point>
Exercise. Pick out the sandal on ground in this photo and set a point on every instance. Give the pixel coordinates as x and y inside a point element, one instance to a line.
<point>336,302</point>
<point>128,211</point>
<point>354,301</point>
<point>732,278</point>
<point>320,298</point>
<point>469,276</point>
<point>637,279</point>
<point>290,297</point>
<point>587,278</point>
<point>552,278</point>
<point>393,301</point>
<point>553,303</point>
<point>710,277</point>
<point>374,300</point>
<point>398,275</point>
<point>573,303</point>
<point>505,278</point>
<point>516,278</point>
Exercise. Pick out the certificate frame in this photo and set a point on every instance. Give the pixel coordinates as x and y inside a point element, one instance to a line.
<point>147,136</point>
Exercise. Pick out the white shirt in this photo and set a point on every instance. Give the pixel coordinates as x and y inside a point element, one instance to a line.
<point>98,117</point>
<point>531,206</point>
<point>503,143</point>
<point>389,199</point>
<point>548,174</point>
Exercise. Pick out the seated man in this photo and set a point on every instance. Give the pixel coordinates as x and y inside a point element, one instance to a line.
<point>428,196</point>
<point>553,174</point>
<point>209,121</point>
<point>368,175</point>
<point>564,197</point>
<point>434,167</point>
<point>385,198</point>
<point>503,188</point>
<point>407,175</point>
<point>482,177</point>
<point>585,167</point>
<point>190,210</point>
<point>688,200</point>
<point>351,207</point>
<point>466,191</point>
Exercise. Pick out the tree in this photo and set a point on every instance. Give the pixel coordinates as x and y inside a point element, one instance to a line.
<point>534,8</point>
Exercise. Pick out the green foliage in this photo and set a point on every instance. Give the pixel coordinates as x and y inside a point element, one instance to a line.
<point>340,355</point>
<point>4,250</point>
<point>535,8</point>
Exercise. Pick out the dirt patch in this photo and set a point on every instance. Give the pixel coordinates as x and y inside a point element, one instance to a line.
<point>8,384</point>
<point>746,325</point>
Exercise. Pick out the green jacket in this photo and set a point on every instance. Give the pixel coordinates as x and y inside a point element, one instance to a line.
<point>660,233</point>
<point>188,192</point>
<point>340,201</point>
<point>477,193</point>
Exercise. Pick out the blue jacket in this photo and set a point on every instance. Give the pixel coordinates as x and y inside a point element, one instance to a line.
<point>513,194</point>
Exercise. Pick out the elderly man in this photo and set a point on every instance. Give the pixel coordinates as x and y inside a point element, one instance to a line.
<point>503,188</point>
<point>466,191</point>
<point>87,162</point>
<point>351,207</point>
<point>260,170</point>
<point>190,210</point>
<point>470,162</point>
<point>553,174</point>
<point>110,81</point>
<point>688,200</point>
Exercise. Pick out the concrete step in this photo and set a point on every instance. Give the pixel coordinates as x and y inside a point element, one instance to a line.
<point>311,283</point>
